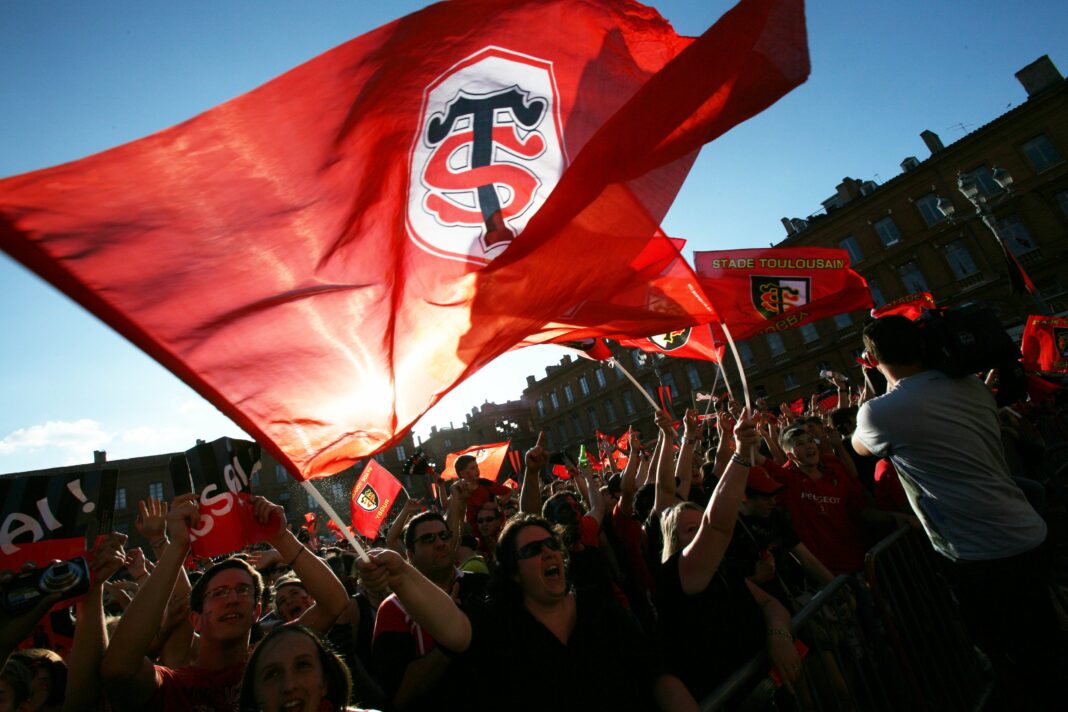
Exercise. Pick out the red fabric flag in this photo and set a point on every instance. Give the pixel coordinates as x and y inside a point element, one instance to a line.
<point>798,406</point>
<point>339,533</point>
<point>310,520</point>
<point>911,306</point>
<point>511,484</point>
<point>593,349</point>
<point>489,458</point>
<point>829,402</point>
<point>372,496</point>
<point>779,288</point>
<point>561,472</point>
<point>694,342</point>
<point>1045,344</point>
<point>325,257</point>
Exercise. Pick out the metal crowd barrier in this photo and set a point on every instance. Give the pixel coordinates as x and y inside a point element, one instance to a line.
<point>896,645</point>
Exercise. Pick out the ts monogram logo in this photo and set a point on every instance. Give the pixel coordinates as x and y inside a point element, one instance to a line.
<point>488,153</point>
<point>773,296</point>
<point>367,499</point>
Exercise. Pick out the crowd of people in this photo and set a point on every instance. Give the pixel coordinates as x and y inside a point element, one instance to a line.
<point>636,589</point>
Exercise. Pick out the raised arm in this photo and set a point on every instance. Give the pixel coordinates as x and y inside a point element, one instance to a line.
<point>692,431</point>
<point>628,484</point>
<point>702,556</point>
<point>665,473</point>
<point>459,494</point>
<point>428,606</point>
<point>594,498</point>
<point>125,670</point>
<point>530,490</point>
<point>393,536</point>
<point>317,578</point>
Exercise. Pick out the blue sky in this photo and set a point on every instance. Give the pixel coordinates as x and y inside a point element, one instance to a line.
<point>83,77</point>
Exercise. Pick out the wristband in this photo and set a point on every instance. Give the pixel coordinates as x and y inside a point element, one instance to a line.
<point>781,632</point>
<point>739,461</point>
<point>294,559</point>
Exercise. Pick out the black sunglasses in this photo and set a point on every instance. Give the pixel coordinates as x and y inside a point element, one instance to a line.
<point>529,551</point>
<point>444,535</point>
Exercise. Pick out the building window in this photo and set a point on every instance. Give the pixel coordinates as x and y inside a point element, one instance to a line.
<point>776,345</point>
<point>912,278</point>
<point>1062,201</point>
<point>554,400</point>
<point>809,333</point>
<point>1016,235</point>
<point>850,245</point>
<point>693,376</point>
<point>399,450</point>
<point>562,432</point>
<point>984,178</point>
<point>120,498</point>
<point>669,380</point>
<point>1041,153</point>
<point>760,392</point>
<point>843,321</point>
<point>619,374</point>
<point>448,442</point>
<point>876,293</point>
<point>254,478</point>
<point>549,440</point>
<point>155,490</point>
<point>610,411</point>
<point>959,259</point>
<point>569,395</point>
<point>599,375</point>
<point>280,474</point>
<point>576,426</point>
<point>584,385</point>
<point>789,381</point>
<point>380,458</point>
<point>825,366</point>
<point>628,403</point>
<point>928,207</point>
<point>745,353</point>
<point>651,390</point>
<point>887,231</point>
<point>540,403</point>
<point>595,422</point>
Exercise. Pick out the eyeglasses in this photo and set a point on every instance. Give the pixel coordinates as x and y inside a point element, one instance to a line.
<point>529,551</point>
<point>487,520</point>
<point>242,590</point>
<point>443,535</point>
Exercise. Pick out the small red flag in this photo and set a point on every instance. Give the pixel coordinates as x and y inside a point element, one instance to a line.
<point>561,472</point>
<point>593,349</point>
<point>489,458</point>
<point>339,533</point>
<point>769,290</point>
<point>372,496</point>
<point>798,406</point>
<point>1045,344</point>
<point>911,306</point>
<point>829,402</point>
<point>694,342</point>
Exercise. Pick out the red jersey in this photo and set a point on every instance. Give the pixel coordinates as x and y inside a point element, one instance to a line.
<point>197,689</point>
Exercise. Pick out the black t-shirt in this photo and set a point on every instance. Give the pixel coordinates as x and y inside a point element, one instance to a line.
<point>516,663</point>
<point>775,534</point>
<point>706,636</point>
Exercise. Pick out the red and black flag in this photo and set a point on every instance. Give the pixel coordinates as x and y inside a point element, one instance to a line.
<point>372,496</point>
<point>912,306</point>
<point>774,289</point>
<point>1045,344</point>
<point>694,342</point>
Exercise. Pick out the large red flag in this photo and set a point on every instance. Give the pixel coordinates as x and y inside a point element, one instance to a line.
<point>1045,344</point>
<point>489,458</point>
<point>774,289</point>
<point>372,496</point>
<point>324,257</point>
<point>694,342</point>
<point>912,306</point>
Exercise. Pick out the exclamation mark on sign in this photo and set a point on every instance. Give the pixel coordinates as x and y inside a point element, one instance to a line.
<point>75,487</point>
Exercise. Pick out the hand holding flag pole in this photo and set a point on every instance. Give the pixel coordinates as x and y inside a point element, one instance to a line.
<point>332,514</point>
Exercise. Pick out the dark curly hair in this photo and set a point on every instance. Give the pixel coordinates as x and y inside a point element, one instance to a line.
<point>504,585</point>
<point>335,672</point>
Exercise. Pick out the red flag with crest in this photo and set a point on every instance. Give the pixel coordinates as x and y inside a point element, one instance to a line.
<point>373,494</point>
<point>911,306</point>
<point>1045,344</point>
<point>365,207</point>
<point>774,289</point>
<point>694,342</point>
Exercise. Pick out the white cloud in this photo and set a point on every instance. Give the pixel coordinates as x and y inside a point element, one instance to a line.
<point>67,436</point>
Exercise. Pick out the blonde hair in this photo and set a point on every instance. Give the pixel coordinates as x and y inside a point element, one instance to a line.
<point>669,528</point>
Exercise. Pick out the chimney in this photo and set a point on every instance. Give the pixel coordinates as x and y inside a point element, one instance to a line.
<point>909,164</point>
<point>1039,76</point>
<point>100,457</point>
<point>531,380</point>
<point>934,144</point>
<point>790,229</point>
<point>847,190</point>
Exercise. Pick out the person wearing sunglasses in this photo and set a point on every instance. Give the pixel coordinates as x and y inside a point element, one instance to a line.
<point>536,622</point>
<point>406,658</point>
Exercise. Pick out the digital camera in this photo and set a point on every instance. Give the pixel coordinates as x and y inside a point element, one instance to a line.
<point>69,578</point>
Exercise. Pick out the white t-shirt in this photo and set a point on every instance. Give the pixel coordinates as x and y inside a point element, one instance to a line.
<point>943,437</point>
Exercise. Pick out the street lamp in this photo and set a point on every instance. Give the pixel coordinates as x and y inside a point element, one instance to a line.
<point>984,205</point>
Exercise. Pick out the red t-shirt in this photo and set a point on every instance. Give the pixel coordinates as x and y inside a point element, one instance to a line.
<point>826,512</point>
<point>485,492</point>
<point>392,618</point>
<point>197,689</point>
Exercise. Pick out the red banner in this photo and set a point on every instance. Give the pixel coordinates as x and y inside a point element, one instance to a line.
<point>372,496</point>
<point>694,342</point>
<point>911,306</point>
<point>769,290</point>
<point>389,178</point>
<point>490,458</point>
<point>1045,344</point>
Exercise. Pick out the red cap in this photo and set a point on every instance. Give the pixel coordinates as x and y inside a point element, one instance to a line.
<point>760,481</point>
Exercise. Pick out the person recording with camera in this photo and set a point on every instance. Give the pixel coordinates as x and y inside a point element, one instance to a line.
<point>942,435</point>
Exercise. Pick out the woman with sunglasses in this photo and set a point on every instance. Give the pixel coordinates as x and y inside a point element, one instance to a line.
<point>568,642</point>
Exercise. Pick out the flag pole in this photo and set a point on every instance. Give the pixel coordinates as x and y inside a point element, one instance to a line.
<point>715,382</point>
<point>741,369</point>
<point>330,512</point>
<point>616,364</point>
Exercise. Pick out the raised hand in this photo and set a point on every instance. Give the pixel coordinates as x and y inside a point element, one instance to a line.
<point>184,515</point>
<point>265,559</point>
<point>383,569</point>
<point>151,523</point>
<point>537,456</point>
<point>263,510</point>
<point>745,432</point>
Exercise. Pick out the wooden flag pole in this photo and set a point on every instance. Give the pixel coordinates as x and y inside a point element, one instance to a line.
<point>330,512</point>
<point>616,364</point>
